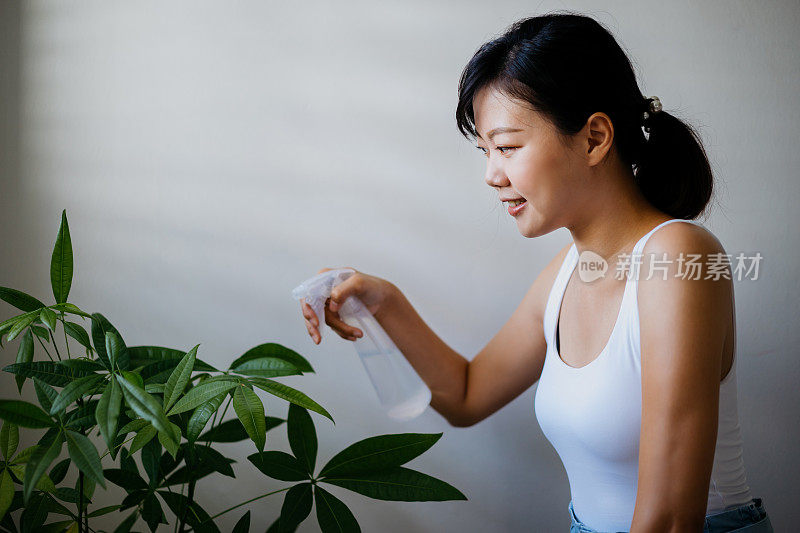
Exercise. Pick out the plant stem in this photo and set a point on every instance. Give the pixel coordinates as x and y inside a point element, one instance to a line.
<point>183,487</point>
<point>43,346</point>
<point>66,342</point>
<point>80,503</point>
<point>208,440</point>
<point>81,517</point>
<point>53,340</point>
<point>190,498</point>
<point>248,501</point>
<point>119,445</point>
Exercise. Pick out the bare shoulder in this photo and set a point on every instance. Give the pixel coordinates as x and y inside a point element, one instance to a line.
<point>685,237</point>
<point>685,272</point>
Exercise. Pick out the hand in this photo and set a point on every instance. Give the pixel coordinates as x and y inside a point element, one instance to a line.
<point>372,291</point>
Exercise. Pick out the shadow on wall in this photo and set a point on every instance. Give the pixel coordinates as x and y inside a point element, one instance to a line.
<point>10,13</point>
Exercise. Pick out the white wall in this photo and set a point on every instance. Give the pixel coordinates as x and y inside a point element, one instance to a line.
<point>211,155</point>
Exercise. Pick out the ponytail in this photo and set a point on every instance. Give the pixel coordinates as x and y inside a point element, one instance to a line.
<point>672,168</point>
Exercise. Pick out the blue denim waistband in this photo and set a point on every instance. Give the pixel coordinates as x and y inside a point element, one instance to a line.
<point>743,515</point>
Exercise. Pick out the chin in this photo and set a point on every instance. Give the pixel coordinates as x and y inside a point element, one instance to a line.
<point>532,230</point>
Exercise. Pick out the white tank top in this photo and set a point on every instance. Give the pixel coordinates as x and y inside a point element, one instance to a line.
<point>592,416</point>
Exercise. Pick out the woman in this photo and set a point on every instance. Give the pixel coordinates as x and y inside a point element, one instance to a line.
<point>637,389</point>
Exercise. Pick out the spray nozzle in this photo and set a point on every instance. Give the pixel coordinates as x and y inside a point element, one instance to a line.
<point>315,291</point>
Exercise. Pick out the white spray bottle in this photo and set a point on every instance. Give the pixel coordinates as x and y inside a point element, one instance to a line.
<point>402,393</point>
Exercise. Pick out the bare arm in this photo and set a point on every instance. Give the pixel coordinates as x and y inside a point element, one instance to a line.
<point>466,392</point>
<point>683,329</point>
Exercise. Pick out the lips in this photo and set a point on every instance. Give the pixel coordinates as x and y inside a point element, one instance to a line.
<point>514,211</point>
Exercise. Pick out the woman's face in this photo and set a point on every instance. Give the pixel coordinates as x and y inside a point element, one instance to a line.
<point>526,159</point>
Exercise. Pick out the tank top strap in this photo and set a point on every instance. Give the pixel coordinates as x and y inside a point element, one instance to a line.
<point>639,246</point>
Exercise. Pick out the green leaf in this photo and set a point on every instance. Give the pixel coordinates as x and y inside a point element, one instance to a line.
<point>211,458</point>
<point>101,325</point>
<point>25,455</point>
<point>70,308</point>
<point>35,513</point>
<point>41,458</point>
<point>103,510</point>
<point>24,414</point>
<point>114,347</point>
<point>171,440</point>
<point>202,414</point>
<point>107,412</point>
<point>196,472</point>
<point>85,456</point>
<point>41,332</point>
<point>267,367</point>
<point>133,425</point>
<point>45,394</point>
<point>332,514</point>
<point>77,389</point>
<point>134,378</point>
<point>20,300</point>
<point>200,394</point>
<point>279,465</point>
<point>24,355</point>
<point>87,366</point>
<point>58,472</point>
<point>21,324</point>
<point>302,437</point>
<point>179,378</point>
<point>144,404</point>
<point>379,453</point>
<point>151,458</point>
<point>6,492</point>
<point>9,322</point>
<point>274,350</point>
<point>398,484</point>
<point>61,262</point>
<point>48,317</point>
<point>250,411</point>
<point>67,494</point>
<point>152,512</point>
<point>288,393</point>
<point>143,437</point>
<point>243,525</point>
<point>78,332</point>
<point>126,525</point>
<point>51,372</point>
<point>233,430</point>
<point>9,439</point>
<point>130,481</point>
<point>195,515</point>
<point>147,355</point>
<point>296,506</point>
<point>154,388</point>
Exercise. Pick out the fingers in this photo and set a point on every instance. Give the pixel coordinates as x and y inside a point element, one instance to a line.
<point>309,313</point>
<point>311,321</point>
<point>342,328</point>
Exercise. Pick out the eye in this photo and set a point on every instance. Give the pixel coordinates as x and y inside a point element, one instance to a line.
<point>481,148</point>
<point>505,149</point>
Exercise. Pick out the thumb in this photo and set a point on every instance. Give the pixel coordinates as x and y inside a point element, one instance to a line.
<point>341,292</point>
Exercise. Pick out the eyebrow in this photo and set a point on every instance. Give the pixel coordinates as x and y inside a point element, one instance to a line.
<point>499,130</point>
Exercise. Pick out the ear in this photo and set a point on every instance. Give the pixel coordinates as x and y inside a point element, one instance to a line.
<point>599,137</point>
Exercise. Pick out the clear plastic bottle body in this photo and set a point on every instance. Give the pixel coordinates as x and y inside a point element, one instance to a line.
<point>401,392</point>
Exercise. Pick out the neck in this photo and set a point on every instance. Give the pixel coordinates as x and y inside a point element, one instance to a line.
<point>614,217</point>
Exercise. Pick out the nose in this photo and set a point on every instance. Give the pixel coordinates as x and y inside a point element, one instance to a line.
<point>495,175</point>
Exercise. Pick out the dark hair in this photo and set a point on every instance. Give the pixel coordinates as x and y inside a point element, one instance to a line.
<point>568,66</point>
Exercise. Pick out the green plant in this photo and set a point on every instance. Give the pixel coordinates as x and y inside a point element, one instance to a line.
<point>154,403</point>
